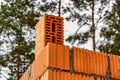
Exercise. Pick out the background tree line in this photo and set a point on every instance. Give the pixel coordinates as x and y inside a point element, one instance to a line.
<point>18,19</point>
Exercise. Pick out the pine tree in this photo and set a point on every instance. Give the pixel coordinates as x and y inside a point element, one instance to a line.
<point>52,6</point>
<point>110,34</point>
<point>17,21</point>
<point>84,12</point>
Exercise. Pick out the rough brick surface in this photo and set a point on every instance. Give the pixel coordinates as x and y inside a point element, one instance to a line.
<point>48,29</point>
<point>54,61</point>
<point>90,61</point>
<point>115,65</point>
<point>53,55</point>
<point>61,75</point>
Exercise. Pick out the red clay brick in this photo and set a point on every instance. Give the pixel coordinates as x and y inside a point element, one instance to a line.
<point>52,55</point>
<point>50,52</point>
<point>44,31</point>
<point>60,54</point>
<point>115,65</point>
<point>75,59</point>
<point>66,63</point>
<point>89,61</point>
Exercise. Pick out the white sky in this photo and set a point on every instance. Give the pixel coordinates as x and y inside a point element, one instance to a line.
<point>70,28</point>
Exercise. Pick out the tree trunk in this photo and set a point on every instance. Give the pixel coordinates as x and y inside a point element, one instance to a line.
<point>18,57</point>
<point>18,67</point>
<point>59,8</point>
<point>93,27</point>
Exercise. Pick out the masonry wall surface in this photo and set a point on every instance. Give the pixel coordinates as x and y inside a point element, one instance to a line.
<point>55,61</point>
<point>62,75</point>
<point>53,55</point>
<point>115,65</point>
<point>90,62</point>
<point>48,29</point>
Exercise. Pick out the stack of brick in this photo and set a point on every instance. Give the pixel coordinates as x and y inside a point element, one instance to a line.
<point>115,66</point>
<point>55,61</point>
<point>90,62</point>
<point>56,56</point>
<point>48,29</point>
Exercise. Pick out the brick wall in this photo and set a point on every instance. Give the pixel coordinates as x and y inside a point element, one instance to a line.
<point>55,61</point>
<point>48,29</point>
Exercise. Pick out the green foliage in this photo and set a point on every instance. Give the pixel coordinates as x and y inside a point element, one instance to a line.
<point>81,12</point>
<point>111,33</point>
<point>81,38</point>
<point>26,57</point>
<point>49,6</point>
<point>3,60</point>
<point>17,21</point>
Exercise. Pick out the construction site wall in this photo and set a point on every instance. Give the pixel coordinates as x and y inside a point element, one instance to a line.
<point>86,62</point>
<point>55,61</point>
